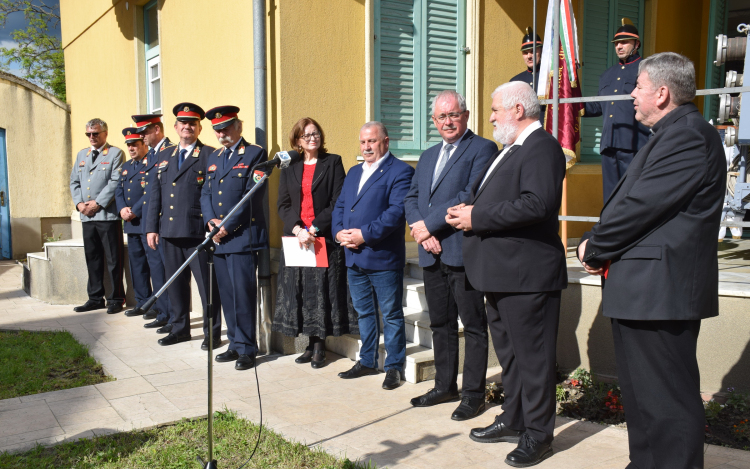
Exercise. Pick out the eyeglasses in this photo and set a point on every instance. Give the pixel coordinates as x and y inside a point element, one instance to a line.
<point>308,137</point>
<point>92,134</point>
<point>453,115</point>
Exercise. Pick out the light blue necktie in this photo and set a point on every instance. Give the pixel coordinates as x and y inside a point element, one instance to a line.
<point>183,154</point>
<point>441,164</point>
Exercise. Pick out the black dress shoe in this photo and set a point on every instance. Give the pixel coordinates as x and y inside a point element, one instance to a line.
<point>358,370</point>
<point>318,359</point>
<point>392,379</point>
<point>114,308</point>
<point>495,433</point>
<point>150,314</point>
<point>134,312</point>
<point>217,343</point>
<point>90,305</point>
<point>305,357</point>
<point>469,408</point>
<point>172,339</point>
<point>228,356</point>
<point>166,329</point>
<point>529,452</point>
<point>155,324</point>
<point>245,362</point>
<point>434,397</point>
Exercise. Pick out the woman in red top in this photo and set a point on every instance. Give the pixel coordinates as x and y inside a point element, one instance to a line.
<point>312,301</point>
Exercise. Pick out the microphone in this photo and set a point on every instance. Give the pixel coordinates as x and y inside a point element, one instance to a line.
<point>282,160</point>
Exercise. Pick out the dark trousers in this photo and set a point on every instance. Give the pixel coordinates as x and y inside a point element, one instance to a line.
<point>447,300</point>
<point>176,252</point>
<point>235,274</point>
<point>104,237</point>
<point>140,273</point>
<point>658,374</point>
<point>524,333</point>
<point>614,165</point>
<point>158,279</point>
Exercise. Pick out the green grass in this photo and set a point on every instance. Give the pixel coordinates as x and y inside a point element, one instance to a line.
<point>36,362</point>
<point>176,446</point>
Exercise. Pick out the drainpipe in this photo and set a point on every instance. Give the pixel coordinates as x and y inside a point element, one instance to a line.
<point>265,313</point>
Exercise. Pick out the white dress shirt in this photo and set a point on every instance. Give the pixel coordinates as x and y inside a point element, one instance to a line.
<point>519,141</point>
<point>189,149</point>
<point>233,148</point>
<point>453,150</point>
<point>369,169</point>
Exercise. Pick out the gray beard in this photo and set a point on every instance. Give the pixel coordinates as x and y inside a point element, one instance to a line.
<point>505,133</point>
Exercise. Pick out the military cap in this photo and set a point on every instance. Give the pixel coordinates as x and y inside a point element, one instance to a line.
<point>528,40</point>
<point>626,32</point>
<point>222,117</point>
<point>188,111</point>
<point>144,120</point>
<point>132,134</point>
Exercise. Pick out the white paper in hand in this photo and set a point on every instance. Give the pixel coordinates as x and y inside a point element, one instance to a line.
<point>296,256</point>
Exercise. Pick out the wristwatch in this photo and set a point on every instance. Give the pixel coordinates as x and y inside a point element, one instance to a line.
<point>313,230</point>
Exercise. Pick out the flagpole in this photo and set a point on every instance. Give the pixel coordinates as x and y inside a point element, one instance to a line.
<point>533,68</point>
<point>556,111</point>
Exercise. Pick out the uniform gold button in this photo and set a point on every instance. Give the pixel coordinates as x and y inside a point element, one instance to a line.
<point>623,67</point>
<point>221,216</point>
<point>88,188</point>
<point>89,180</point>
<point>219,204</point>
<point>131,182</point>
<point>170,218</point>
<point>128,198</point>
<point>618,78</point>
<point>219,192</point>
<point>253,219</point>
<point>128,190</point>
<point>144,192</point>
<point>171,195</point>
<point>610,115</point>
<point>172,207</point>
<point>221,180</point>
<point>239,175</point>
<point>147,174</point>
<point>144,203</point>
<point>615,91</point>
<point>88,196</point>
<point>613,102</point>
<point>91,172</point>
<point>174,183</point>
<point>200,172</point>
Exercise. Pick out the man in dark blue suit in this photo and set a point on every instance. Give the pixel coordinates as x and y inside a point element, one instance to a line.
<point>443,179</point>
<point>369,221</point>
<point>152,130</point>
<point>127,197</point>
<point>174,218</point>
<point>229,177</point>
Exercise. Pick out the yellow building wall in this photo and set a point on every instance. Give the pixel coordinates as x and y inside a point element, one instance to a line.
<point>37,147</point>
<point>316,69</point>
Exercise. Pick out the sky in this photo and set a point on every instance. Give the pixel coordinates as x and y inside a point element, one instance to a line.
<point>15,21</point>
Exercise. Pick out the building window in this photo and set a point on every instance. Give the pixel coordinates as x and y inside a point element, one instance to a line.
<point>419,51</point>
<point>600,22</point>
<point>153,58</point>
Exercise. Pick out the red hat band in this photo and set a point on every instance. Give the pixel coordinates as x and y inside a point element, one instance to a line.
<point>146,122</point>
<point>630,35</point>
<point>224,118</point>
<point>192,114</point>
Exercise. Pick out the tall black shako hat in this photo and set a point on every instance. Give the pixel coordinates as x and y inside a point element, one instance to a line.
<point>188,111</point>
<point>627,32</point>
<point>528,40</point>
<point>222,117</point>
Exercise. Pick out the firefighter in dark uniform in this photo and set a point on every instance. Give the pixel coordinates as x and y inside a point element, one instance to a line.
<point>622,135</point>
<point>175,219</point>
<point>532,62</point>
<point>229,176</point>
<point>152,129</point>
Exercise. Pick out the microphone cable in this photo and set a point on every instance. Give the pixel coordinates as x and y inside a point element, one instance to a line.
<point>260,430</point>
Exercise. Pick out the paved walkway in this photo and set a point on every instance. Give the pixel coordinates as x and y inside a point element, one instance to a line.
<point>355,418</point>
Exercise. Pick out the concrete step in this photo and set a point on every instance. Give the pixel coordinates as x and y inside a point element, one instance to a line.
<point>414,296</point>
<point>420,361</point>
<point>413,269</point>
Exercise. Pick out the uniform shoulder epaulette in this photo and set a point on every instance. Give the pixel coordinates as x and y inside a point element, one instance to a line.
<point>169,145</point>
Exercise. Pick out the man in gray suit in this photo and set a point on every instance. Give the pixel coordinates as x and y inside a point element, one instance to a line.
<point>443,179</point>
<point>93,182</point>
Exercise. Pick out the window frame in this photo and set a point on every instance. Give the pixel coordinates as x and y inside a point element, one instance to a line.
<point>152,57</point>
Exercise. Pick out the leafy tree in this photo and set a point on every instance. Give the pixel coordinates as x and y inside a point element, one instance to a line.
<point>38,52</point>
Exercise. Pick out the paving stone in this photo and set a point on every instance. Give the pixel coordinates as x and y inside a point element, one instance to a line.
<point>125,387</point>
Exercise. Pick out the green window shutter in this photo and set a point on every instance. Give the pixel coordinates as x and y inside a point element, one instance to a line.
<point>601,19</point>
<point>715,76</point>
<point>417,55</point>
<point>595,55</point>
<point>396,70</point>
<point>445,62</point>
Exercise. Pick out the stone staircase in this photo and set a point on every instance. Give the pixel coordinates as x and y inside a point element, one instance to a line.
<point>420,359</point>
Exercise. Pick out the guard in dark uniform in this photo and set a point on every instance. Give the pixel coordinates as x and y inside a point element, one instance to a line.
<point>532,62</point>
<point>229,177</point>
<point>622,135</point>
<point>175,219</point>
<point>152,129</point>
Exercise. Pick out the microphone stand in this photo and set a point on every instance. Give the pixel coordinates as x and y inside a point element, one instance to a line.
<point>206,246</point>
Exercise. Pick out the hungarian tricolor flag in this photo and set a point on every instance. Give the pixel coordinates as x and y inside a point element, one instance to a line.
<point>566,58</point>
